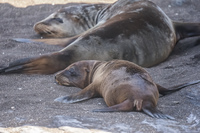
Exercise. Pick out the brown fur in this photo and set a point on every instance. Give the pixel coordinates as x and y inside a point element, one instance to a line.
<point>124,86</point>
<point>137,31</point>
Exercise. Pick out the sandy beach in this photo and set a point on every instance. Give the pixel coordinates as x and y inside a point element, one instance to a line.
<point>27,101</point>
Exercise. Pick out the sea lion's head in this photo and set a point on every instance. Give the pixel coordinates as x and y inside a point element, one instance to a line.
<point>77,74</point>
<point>66,22</point>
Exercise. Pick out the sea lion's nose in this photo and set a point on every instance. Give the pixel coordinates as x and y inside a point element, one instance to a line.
<point>56,79</point>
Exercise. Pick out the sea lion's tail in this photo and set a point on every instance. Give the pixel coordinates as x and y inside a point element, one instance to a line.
<point>184,30</point>
<point>165,91</point>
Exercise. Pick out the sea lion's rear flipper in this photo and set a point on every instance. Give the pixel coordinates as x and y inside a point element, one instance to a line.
<point>184,30</point>
<point>55,41</point>
<point>46,64</point>
<point>153,112</point>
<point>165,91</point>
<point>85,94</point>
<point>138,105</point>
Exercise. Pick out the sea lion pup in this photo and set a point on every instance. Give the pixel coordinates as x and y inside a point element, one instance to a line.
<point>134,30</point>
<point>124,86</point>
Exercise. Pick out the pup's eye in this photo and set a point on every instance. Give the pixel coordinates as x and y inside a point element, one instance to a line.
<point>58,20</point>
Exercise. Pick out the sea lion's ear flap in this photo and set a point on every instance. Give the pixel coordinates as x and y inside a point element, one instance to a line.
<point>75,17</point>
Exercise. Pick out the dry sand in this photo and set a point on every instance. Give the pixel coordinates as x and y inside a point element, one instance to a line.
<point>27,101</point>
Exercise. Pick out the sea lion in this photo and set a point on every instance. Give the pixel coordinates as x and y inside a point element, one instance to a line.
<point>134,30</point>
<point>123,85</point>
<point>69,21</point>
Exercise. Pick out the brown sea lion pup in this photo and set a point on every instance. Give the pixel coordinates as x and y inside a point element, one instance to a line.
<point>134,30</point>
<point>124,86</point>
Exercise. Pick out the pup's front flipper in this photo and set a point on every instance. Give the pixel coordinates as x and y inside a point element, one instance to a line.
<point>85,94</point>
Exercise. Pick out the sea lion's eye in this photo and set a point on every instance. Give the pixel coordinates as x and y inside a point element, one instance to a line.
<point>72,72</point>
<point>58,20</point>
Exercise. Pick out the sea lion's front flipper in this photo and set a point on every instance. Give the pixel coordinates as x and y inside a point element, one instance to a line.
<point>72,98</point>
<point>23,40</point>
<point>85,94</point>
<point>51,41</point>
<point>46,64</point>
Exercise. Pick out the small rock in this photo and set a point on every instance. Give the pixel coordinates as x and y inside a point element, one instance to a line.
<point>176,102</point>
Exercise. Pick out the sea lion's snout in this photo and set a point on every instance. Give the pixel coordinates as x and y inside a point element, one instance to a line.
<point>42,29</point>
<point>62,79</point>
<point>57,77</point>
<point>57,81</point>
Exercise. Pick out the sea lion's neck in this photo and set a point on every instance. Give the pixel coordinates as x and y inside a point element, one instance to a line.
<point>93,14</point>
<point>93,70</point>
<point>100,14</point>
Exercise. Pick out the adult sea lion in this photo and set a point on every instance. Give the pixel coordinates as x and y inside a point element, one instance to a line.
<point>124,86</point>
<point>134,30</point>
<point>69,21</point>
